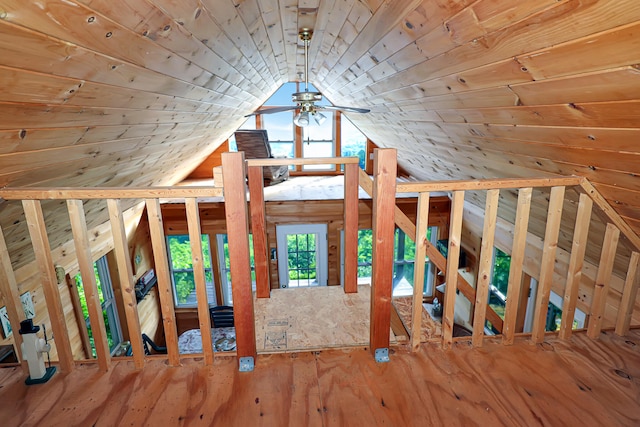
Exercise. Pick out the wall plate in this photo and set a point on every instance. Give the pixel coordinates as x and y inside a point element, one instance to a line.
<point>27,305</point>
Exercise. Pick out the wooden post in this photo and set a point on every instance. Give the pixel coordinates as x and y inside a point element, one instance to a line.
<point>524,299</point>
<point>165,287</point>
<point>40,241</point>
<point>451,276</point>
<point>79,315</point>
<point>420,259</point>
<point>603,278</point>
<point>384,196</point>
<point>628,296</point>
<point>514,288</point>
<point>574,273</point>
<point>85,262</point>
<point>204,316</point>
<point>351,227</point>
<point>259,231</point>
<point>123,261</point>
<point>235,200</point>
<point>217,274</point>
<point>486,266</point>
<point>9,288</point>
<point>554,215</point>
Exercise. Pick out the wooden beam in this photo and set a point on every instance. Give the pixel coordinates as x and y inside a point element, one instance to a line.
<point>601,291</point>
<point>420,259</point>
<point>233,169</point>
<point>64,193</point>
<point>40,242</point>
<point>79,315</point>
<point>402,221</point>
<point>259,231</point>
<point>485,266</point>
<point>351,202</point>
<point>125,273</point>
<point>92,296</point>
<point>576,262</point>
<point>611,213</point>
<point>217,274</point>
<point>303,161</point>
<point>514,288</point>
<point>204,316</point>
<point>9,289</point>
<point>524,299</point>
<point>554,216</point>
<point>628,296</point>
<point>163,274</point>
<point>451,276</point>
<point>487,184</point>
<point>384,192</point>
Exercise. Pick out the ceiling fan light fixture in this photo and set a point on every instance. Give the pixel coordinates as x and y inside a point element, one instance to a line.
<point>301,119</point>
<point>319,118</point>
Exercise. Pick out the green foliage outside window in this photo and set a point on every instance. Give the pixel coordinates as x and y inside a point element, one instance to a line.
<point>182,266</point>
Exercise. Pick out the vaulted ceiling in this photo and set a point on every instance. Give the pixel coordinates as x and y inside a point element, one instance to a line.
<point>139,92</point>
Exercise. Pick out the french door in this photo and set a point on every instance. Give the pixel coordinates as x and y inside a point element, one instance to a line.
<point>302,255</point>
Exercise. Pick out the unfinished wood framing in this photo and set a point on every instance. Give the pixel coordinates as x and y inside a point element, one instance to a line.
<point>514,287</point>
<point>628,296</point>
<point>163,274</point>
<point>605,269</point>
<point>576,263</point>
<point>195,239</point>
<point>422,226</point>
<point>9,290</point>
<point>40,242</point>
<point>486,266</point>
<point>351,202</point>
<point>79,315</point>
<point>123,262</point>
<point>92,296</point>
<point>259,231</point>
<point>233,169</point>
<point>451,276</point>
<point>554,215</point>
<point>384,190</point>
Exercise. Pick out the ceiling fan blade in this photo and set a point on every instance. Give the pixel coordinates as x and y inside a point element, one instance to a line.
<point>349,109</point>
<point>272,110</point>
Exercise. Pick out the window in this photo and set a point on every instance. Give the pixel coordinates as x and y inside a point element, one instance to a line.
<point>184,285</point>
<point>404,255</point>
<point>302,255</point>
<point>314,140</point>
<point>499,282</point>
<point>318,141</point>
<point>354,143</point>
<point>225,266</point>
<point>280,131</point>
<point>108,303</point>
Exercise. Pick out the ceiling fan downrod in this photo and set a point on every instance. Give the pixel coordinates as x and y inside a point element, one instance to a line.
<point>305,36</point>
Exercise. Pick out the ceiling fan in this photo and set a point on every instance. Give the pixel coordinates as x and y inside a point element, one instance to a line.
<point>306,101</point>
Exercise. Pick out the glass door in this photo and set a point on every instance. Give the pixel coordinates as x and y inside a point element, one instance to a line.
<point>302,255</point>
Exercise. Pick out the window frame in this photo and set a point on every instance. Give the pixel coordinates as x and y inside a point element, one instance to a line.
<point>211,287</point>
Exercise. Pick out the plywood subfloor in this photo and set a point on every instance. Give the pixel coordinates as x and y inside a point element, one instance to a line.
<point>429,328</point>
<point>312,318</point>
<point>579,383</point>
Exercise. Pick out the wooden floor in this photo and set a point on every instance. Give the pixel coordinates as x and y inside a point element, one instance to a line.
<point>586,383</point>
<point>312,318</point>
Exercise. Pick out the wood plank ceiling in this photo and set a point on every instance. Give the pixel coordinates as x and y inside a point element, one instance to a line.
<point>139,92</point>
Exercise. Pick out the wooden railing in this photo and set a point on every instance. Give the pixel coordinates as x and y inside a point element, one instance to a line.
<point>478,295</point>
<point>386,215</point>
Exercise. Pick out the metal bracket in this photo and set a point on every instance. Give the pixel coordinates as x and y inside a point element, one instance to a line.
<point>382,355</point>
<point>246,364</point>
